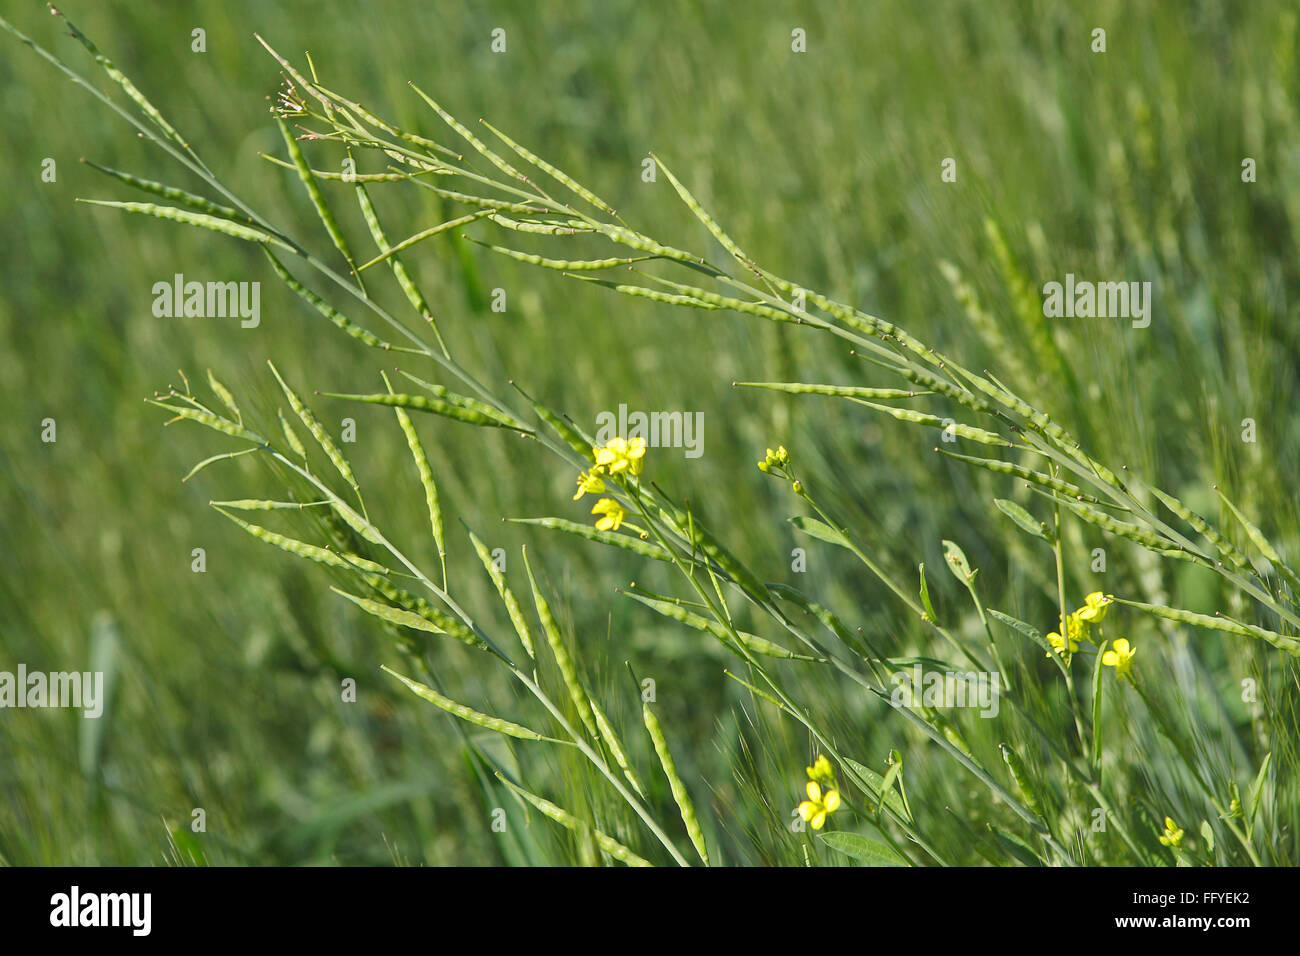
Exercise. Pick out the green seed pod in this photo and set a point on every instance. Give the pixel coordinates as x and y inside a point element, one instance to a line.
<point>607,843</point>
<point>486,721</point>
<point>1024,783</point>
<point>317,431</point>
<point>680,795</point>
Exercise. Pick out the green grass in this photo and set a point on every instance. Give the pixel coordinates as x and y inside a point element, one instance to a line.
<point>825,168</point>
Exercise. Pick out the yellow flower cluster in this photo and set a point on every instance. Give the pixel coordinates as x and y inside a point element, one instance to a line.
<point>1173,835</point>
<point>1093,611</point>
<point>820,805</point>
<point>1077,627</point>
<point>620,456</point>
<point>778,457</point>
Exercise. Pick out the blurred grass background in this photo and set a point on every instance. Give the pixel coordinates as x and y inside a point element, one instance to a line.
<point>826,167</point>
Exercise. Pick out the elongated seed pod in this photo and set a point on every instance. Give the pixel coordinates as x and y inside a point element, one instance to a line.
<point>418,605</point>
<point>507,596</point>
<point>470,138</point>
<point>634,240</point>
<point>558,175</point>
<point>1024,783</point>
<point>698,210</point>
<point>472,404</point>
<point>497,724</point>
<point>405,618</point>
<point>325,309</point>
<point>1265,546</point>
<point>172,194</point>
<point>607,843</point>
<point>647,549</point>
<point>226,397</point>
<point>610,736</point>
<point>125,83</point>
<point>728,302</point>
<point>184,216</point>
<point>579,442</point>
<point>349,177</point>
<point>291,436</point>
<point>1219,623</point>
<point>934,421</point>
<point>426,480</point>
<point>562,265</point>
<point>1124,529</point>
<point>483,202</point>
<point>540,228</point>
<point>1028,474</point>
<point>667,298</point>
<point>429,233</point>
<point>859,321</point>
<point>404,280</point>
<point>752,641</point>
<point>1199,524</point>
<point>560,651</point>
<point>680,794</point>
<point>434,406</point>
<point>844,391</point>
<point>264,504</point>
<point>317,431</point>
<point>215,422</point>
<point>344,562</point>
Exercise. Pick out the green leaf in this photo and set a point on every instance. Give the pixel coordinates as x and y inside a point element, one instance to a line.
<point>1031,632</point>
<point>875,785</point>
<point>869,852</point>
<point>925,597</point>
<point>1097,672</point>
<point>820,530</point>
<point>1024,519</point>
<point>1016,847</point>
<point>957,562</point>
<point>1257,791</point>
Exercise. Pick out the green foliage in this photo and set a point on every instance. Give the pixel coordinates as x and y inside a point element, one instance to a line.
<point>1085,436</point>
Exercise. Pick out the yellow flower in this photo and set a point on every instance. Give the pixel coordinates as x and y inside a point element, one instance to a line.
<point>620,455</point>
<point>612,454</point>
<point>613,514</point>
<point>635,455</point>
<point>816,808</point>
<point>1073,628</point>
<point>1173,836</point>
<point>822,771</point>
<point>1094,608</point>
<point>1120,657</point>
<point>589,483</point>
<point>1058,644</point>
